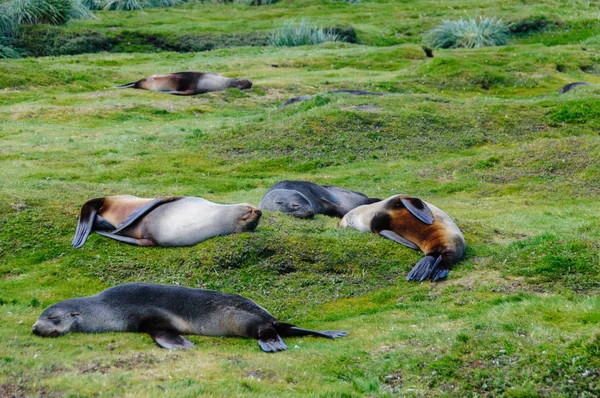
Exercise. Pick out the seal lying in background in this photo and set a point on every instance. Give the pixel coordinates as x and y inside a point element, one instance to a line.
<point>571,86</point>
<point>188,83</point>
<point>168,312</point>
<point>166,221</point>
<point>416,224</point>
<point>303,199</point>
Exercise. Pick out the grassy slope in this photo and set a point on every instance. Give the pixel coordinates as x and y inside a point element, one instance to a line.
<point>480,133</point>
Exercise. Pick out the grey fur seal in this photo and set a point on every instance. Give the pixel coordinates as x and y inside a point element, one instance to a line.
<point>167,313</point>
<point>416,224</point>
<point>303,199</point>
<point>188,83</point>
<point>165,221</point>
<point>571,86</point>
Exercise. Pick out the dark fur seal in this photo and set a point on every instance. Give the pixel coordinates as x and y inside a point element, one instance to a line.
<point>166,221</point>
<point>416,224</point>
<point>304,199</point>
<point>188,83</point>
<point>168,312</point>
<point>571,86</point>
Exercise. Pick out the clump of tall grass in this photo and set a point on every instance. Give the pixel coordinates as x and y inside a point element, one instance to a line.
<point>8,23</point>
<point>245,2</point>
<point>125,5</point>
<point>299,34</point>
<point>30,12</point>
<point>469,33</point>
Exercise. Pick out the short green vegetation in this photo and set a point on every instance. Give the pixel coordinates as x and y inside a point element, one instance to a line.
<point>481,133</point>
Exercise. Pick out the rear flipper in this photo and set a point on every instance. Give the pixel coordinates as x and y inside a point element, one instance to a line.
<point>170,340</point>
<point>430,266</point>
<point>272,344</point>
<point>128,85</point>
<point>87,219</point>
<point>287,330</point>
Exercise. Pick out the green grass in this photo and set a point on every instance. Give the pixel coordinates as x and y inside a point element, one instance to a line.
<point>480,133</point>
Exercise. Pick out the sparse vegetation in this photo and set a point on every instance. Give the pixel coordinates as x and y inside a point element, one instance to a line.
<point>469,33</point>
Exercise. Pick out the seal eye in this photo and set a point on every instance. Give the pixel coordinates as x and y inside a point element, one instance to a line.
<point>294,205</point>
<point>74,313</point>
<point>52,317</point>
<point>279,202</point>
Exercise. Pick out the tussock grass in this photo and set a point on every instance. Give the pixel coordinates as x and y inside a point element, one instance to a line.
<point>469,33</point>
<point>301,33</point>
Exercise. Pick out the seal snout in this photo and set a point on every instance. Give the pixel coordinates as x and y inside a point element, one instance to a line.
<point>40,329</point>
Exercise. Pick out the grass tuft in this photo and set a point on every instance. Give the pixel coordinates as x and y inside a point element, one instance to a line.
<point>294,34</point>
<point>7,52</point>
<point>125,5</point>
<point>469,33</point>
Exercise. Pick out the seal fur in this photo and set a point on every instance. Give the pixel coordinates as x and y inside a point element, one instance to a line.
<point>304,199</point>
<point>416,224</point>
<point>165,221</point>
<point>169,312</point>
<point>188,83</point>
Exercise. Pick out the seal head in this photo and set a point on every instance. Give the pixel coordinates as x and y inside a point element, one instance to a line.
<point>288,201</point>
<point>57,320</point>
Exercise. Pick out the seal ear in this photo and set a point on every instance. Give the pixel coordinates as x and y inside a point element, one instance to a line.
<point>170,340</point>
<point>418,208</point>
<point>333,210</point>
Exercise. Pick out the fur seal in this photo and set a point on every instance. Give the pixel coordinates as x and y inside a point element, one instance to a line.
<point>188,83</point>
<point>168,312</point>
<point>571,86</point>
<point>303,199</point>
<point>416,224</point>
<point>166,221</point>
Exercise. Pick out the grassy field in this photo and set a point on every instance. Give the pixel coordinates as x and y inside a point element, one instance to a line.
<point>480,133</point>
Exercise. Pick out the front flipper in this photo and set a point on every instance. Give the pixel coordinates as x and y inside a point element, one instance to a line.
<point>272,344</point>
<point>170,340</point>
<point>333,210</point>
<point>430,266</point>
<point>127,239</point>
<point>177,92</point>
<point>418,208</point>
<point>143,210</point>
<point>391,235</point>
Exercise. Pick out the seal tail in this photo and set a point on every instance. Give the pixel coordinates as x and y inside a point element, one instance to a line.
<point>128,85</point>
<point>87,217</point>
<point>288,330</point>
<point>431,266</point>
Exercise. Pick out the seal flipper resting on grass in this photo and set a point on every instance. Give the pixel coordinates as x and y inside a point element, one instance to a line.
<point>166,221</point>
<point>188,83</point>
<point>303,199</point>
<point>167,313</point>
<point>415,224</point>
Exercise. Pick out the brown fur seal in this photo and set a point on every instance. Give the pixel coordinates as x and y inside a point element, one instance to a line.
<point>188,83</point>
<point>416,224</point>
<point>167,313</point>
<point>166,221</point>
